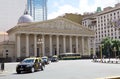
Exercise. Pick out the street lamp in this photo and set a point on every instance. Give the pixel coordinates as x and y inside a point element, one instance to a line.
<point>100,48</point>
<point>114,49</point>
<point>40,42</point>
<point>101,56</point>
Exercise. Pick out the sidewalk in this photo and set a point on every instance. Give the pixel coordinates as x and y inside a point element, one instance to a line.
<point>9,68</point>
<point>2,73</point>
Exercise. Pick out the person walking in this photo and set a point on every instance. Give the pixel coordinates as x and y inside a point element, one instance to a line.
<point>2,66</point>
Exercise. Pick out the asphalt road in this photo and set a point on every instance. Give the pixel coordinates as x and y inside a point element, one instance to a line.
<point>69,69</point>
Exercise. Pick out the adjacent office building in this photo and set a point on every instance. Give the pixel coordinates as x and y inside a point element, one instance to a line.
<point>37,9</point>
<point>104,23</point>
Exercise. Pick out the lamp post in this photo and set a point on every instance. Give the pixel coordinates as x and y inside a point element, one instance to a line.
<point>40,42</point>
<point>115,51</point>
<point>101,46</point>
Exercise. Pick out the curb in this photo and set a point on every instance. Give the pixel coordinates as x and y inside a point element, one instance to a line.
<point>113,77</point>
<point>2,73</point>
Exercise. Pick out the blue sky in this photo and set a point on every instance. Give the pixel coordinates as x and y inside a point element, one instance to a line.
<point>53,5</point>
<point>13,9</point>
<point>60,7</point>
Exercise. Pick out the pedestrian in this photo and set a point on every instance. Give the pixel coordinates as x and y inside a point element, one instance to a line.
<point>93,57</point>
<point>2,66</point>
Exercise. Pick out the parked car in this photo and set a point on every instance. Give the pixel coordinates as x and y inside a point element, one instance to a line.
<point>54,58</point>
<point>45,60</point>
<point>29,65</point>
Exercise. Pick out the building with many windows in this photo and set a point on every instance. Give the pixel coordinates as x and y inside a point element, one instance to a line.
<point>104,23</point>
<point>89,21</point>
<point>37,9</point>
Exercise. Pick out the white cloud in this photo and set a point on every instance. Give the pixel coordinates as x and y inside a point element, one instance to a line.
<point>55,4</point>
<point>84,6</point>
<point>62,10</point>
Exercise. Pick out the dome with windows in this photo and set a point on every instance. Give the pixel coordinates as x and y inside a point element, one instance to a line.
<point>26,18</point>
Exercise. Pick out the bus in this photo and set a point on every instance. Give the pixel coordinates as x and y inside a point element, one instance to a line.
<point>69,56</point>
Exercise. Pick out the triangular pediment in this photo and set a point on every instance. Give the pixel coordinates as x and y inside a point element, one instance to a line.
<point>57,25</point>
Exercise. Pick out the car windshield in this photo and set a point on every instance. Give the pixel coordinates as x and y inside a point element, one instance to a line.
<point>44,59</point>
<point>28,61</point>
<point>54,57</point>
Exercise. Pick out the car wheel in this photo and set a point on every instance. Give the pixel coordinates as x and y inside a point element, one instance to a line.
<point>32,69</point>
<point>18,72</point>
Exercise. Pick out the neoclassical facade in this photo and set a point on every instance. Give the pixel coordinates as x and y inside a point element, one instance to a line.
<point>51,37</point>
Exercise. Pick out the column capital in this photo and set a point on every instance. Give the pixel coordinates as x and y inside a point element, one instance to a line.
<point>50,35</point>
<point>18,34</point>
<point>27,34</point>
<point>35,34</point>
<point>43,34</point>
<point>64,36</point>
<point>57,35</point>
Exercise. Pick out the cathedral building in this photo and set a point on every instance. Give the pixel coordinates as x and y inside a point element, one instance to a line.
<point>46,38</point>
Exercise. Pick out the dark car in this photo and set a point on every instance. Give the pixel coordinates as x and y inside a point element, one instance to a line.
<point>45,60</point>
<point>54,58</point>
<point>29,65</point>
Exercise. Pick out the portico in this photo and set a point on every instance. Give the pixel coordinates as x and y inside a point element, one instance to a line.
<point>56,44</point>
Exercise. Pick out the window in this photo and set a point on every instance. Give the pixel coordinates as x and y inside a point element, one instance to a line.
<point>114,13</point>
<point>118,13</point>
<point>110,14</point>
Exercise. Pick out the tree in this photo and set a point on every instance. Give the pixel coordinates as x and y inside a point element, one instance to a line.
<point>107,43</point>
<point>116,47</point>
<point>116,23</point>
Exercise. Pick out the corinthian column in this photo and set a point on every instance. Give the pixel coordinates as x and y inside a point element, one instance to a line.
<point>50,47</point>
<point>82,45</point>
<point>70,44</point>
<point>76,44</point>
<point>35,45</point>
<point>64,44</point>
<point>27,45</point>
<point>57,44</point>
<point>18,45</point>
<point>88,45</point>
<point>43,45</point>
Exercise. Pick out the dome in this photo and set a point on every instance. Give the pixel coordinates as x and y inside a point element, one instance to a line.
<point>25,19</point>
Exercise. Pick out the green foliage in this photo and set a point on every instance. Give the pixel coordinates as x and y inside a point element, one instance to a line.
<point>111,46</point>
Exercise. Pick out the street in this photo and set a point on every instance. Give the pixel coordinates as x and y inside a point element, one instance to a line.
<point>67,69</point>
